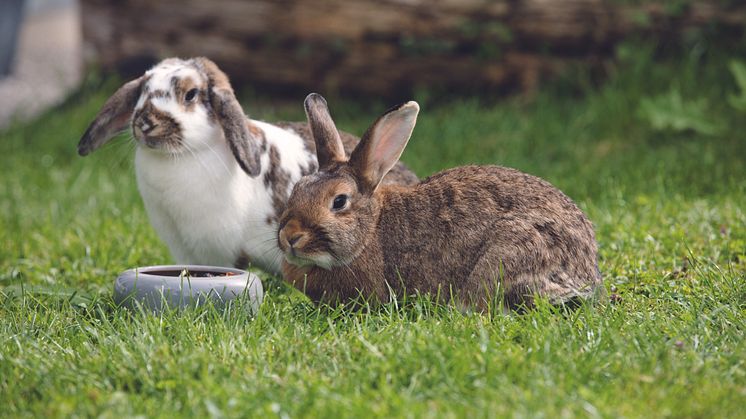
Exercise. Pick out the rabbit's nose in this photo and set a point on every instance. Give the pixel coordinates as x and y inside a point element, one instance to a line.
<point>294,239</point>
<point>291,236</point>
<point>146,126</point>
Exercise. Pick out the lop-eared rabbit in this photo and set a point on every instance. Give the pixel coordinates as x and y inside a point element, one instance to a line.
<point>213,181</point>
<point>469,233</point>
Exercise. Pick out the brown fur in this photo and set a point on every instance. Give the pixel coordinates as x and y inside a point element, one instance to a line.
<point>258,135</point>
<point>231,117</point>
<point>113,116</point>
<point>242,261</point>
<point>163,132</point>
<point>182,86</point>
<point>159,94</point>
<point>471,233</point>
<point>277,180</point>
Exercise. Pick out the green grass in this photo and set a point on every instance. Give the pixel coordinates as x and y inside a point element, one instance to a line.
<point>669,205</point>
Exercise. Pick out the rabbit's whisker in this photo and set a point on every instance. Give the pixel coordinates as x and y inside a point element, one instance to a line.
<point>201,162</point>
<point>209,147</point>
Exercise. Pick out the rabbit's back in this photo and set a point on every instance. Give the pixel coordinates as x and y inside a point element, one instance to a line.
<point>467,229</point>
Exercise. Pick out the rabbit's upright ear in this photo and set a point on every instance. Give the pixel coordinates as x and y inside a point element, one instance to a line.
<point>329,148</point>
<point>112,118</point>
<point>230,116</point>
<point>382,145</point>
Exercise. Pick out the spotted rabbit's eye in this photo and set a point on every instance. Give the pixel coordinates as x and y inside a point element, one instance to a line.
<point>191,94</point>
<point>340,202</point>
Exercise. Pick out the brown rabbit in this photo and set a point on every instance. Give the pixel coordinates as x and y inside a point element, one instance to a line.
<point>468,233</point>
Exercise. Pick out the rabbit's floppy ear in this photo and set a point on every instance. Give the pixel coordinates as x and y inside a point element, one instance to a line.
<point>231,118</point>
<point>382,145</point>
<point>112,118</point>
<point>329,148</point>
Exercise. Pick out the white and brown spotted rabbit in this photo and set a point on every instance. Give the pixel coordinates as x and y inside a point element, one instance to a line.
<point>214,182</point>
<point>467,233</point>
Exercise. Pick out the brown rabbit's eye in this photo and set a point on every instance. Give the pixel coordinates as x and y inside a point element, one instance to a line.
<point>191,94</point>
<point>340,202</point>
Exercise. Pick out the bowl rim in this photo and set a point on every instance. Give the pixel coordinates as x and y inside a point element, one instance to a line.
<point>146,271</point>
<point>139,285</point>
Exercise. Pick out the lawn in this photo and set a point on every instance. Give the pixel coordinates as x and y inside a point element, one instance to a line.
<point>655,155</point>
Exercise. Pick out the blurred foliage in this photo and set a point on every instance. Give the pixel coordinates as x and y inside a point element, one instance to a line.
<point>670,111</point>
<point>738,69</point>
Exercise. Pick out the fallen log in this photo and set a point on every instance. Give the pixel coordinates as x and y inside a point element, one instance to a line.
<point>385,48</point>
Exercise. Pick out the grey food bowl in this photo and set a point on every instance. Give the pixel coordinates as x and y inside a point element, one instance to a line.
<point>179,286</point>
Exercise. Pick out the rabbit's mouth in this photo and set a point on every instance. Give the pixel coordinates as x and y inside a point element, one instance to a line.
<point>300,248</point>
<point>322,260</point>
<point>298,261</point>
<point>158,141</point>
<point>155,143</point>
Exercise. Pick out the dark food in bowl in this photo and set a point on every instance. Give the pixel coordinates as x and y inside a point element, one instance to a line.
<point>190,274</point>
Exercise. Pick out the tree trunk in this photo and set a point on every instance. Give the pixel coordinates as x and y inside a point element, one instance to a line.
<point>382,48</point>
